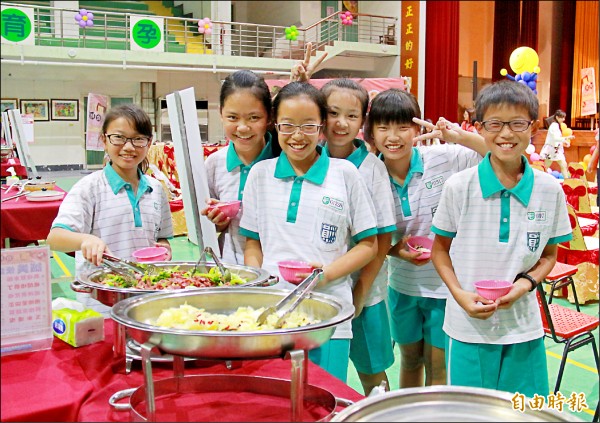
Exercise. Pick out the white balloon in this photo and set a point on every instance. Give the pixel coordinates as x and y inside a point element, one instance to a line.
<point>530,149</point>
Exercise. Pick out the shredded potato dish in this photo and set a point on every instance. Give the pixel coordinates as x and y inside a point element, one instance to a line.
<point>242,320</point>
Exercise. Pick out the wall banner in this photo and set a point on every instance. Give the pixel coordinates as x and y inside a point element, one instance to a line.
<point>146,33</point>
<point>409,44</point>
<point>17,25</point>
<point>588,92</point>
<point>96,107</point>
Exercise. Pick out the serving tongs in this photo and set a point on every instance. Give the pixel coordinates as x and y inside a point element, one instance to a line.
<point>289,303</point>
<point>225,273</point>
<point>132,266</point>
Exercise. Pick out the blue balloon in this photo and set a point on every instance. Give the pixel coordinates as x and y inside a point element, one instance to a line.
<point>526,75</point>
<point>532,84</point>
<point>534,76</point>
<point>518,77</point>
<point>560,176</point>
<point>535,91</point>
<point>556,173</point>
<point>522,81</point>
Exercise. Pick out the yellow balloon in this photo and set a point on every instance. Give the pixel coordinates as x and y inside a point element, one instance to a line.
<point>585,165</point>
<point>524,59</point>
<point>567,132</point>
<point>563,126</point>
<point>586,158</point>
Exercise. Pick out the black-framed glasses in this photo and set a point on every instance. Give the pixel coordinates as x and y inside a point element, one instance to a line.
<point>120,140</point>
<point>290,128</point>
<point>519,125</point>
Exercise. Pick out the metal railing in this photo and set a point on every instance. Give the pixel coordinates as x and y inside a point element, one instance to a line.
<point>111,30</point>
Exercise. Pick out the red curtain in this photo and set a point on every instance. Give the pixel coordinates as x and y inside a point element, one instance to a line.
<point>506,36</point>
<point>441,60</point>
<point>529,24</point>
<point>567,52</point>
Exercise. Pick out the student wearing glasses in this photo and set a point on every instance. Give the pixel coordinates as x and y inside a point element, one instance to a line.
<point>118,209</point>
<point>307,206</point>
<point>499,220</point>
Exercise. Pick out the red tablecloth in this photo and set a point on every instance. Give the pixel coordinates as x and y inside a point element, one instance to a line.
<point>20,170</point>
<point>74,384</point>
<point>26,221</point>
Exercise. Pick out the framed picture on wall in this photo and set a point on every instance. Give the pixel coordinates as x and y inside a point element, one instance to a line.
<point>9,104</point>
<point>38,108</point>
<point>64,109</point>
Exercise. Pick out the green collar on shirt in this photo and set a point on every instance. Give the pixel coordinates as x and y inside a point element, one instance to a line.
<point>116,182</point>
<point>415,166</point>
<point>233,160</point>
<point>490,184</point>
<point>357,156</point>
<point>316,174</point>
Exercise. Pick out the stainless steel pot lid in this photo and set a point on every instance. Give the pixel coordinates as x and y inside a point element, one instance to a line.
<point>448,404</point>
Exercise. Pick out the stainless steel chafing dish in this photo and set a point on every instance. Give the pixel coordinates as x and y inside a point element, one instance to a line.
<point>89,281</point>
<point>138,313</point>
<point>449,404</point>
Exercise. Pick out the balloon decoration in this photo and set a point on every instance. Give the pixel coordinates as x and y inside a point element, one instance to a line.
<point>346,17</point>
<point>534,157</point>
<point>530,149</point>
<point>524,63</point>
<point>205,26</point>
<point>291,33</point>
<point>84,18</point>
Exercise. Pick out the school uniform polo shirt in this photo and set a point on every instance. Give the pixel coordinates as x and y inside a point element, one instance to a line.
<point>227,175</point>
<point>310,218</point>
<point>498,233</point>
<point>416,202</point>
<point>104,205</point>
<point>375,175</point>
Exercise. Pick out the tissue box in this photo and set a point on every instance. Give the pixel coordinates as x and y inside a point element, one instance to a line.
<point>78,328</point>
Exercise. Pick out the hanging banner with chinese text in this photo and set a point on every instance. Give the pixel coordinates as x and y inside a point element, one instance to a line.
<point>588,92</point>
<point>409,44</point>
<point>96,109</point>
<point>146,34</point>
<point>17,25</point>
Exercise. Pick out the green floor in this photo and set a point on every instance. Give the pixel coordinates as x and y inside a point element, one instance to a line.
<point>580,375</point>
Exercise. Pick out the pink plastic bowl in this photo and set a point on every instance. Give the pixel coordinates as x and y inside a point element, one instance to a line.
<point>491,289</point>
<point>290,269</point>
<point>423,241</point>
<point>150,254</point>
<point>229,208</point>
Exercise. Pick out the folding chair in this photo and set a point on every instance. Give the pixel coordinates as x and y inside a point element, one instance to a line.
<point>569,327</point>
<point>560,277</point>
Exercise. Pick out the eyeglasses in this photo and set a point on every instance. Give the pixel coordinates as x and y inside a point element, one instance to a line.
<point>514,125</point>
<point>120,140</point>
<point>290,128</point>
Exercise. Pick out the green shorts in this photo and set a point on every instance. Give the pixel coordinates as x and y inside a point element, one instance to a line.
<point>512,368</point>
<point>415,318</point>
<point>333,356</point>
<point>371,345</point>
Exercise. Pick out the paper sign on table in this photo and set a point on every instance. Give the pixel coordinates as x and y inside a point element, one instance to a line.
<point>26,297</point>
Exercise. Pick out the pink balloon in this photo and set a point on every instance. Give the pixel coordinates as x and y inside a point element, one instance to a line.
<point>534,157</point>
<point>207,31</point>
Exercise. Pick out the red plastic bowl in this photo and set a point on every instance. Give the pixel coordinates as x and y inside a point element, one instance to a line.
<point>492,289</point>
<point>290,269</point>
<point>150,254</point>
<point>229,208</point>
<point>422,241</point>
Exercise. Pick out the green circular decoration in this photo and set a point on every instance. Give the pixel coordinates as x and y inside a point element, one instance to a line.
<point>146,33</point>
<point>16,25</point>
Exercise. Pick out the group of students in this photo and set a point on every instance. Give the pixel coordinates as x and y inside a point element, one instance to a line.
<point>312,191</point>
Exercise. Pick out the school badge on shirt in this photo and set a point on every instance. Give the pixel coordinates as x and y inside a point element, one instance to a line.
<point>533,241</point>
<point>328,233</point>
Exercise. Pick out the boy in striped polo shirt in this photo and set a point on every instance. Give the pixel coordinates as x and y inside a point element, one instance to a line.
<point>500,220</point>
